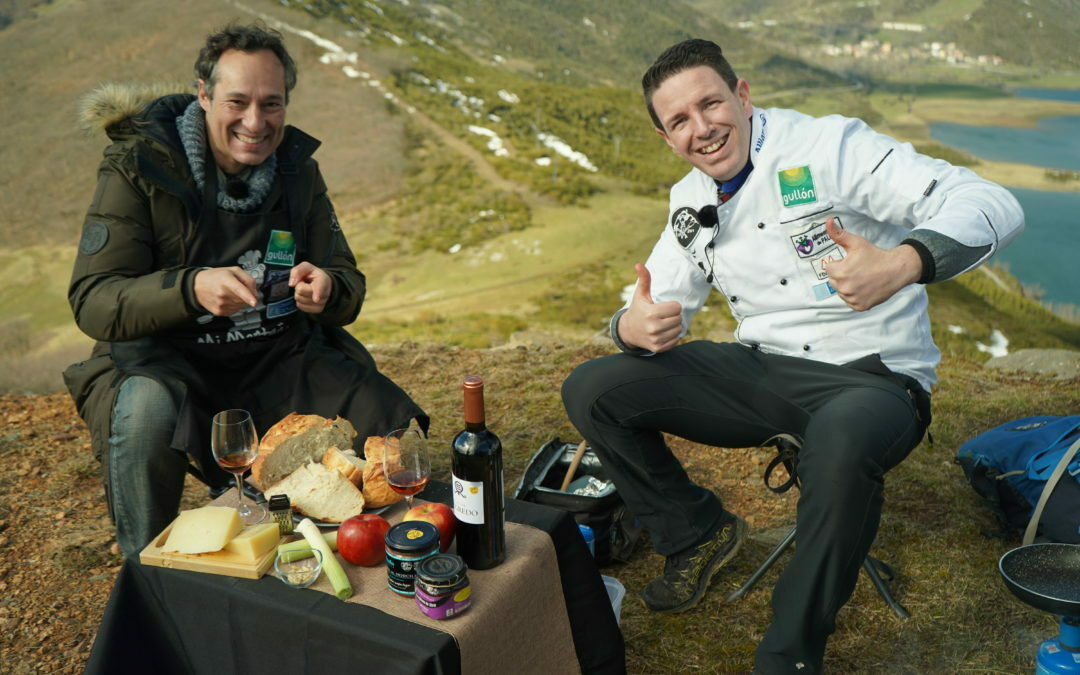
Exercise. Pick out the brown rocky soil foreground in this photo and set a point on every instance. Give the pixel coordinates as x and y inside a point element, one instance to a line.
<point>57,562</point>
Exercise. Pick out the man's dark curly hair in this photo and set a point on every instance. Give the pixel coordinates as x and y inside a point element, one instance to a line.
<point>250,38</point>
<point>684,56</point>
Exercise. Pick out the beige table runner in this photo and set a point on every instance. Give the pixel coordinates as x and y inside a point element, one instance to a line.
<point>517,621</point>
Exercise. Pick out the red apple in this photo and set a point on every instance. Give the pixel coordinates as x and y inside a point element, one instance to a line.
<point>438,514</point>
<point>361,539</point>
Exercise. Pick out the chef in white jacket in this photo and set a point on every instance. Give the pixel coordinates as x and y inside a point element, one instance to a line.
<point>821,235</point>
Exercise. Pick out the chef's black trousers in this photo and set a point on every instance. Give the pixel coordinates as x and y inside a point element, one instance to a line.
<point>856,422</point>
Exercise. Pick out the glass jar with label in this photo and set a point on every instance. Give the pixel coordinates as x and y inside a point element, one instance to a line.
<point>407,543</point>
<point>442,586</point>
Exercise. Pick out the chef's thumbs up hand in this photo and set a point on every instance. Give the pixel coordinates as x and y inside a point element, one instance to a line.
<point>648,324</point>
<point>869,275</point>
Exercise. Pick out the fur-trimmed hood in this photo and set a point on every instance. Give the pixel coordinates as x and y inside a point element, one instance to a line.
<point>115,102</point>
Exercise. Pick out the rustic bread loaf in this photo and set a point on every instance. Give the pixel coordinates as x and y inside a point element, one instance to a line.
<point>319,492</point>
<point>346,463</point>
<point>377,491</point>
<point>295,441</point>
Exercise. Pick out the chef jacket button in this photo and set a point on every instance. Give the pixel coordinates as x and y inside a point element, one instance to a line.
<point>734,298</point>
<point>783,282</point>
<point>806,348</point>
<point>710,244</point>
<point>761,226</point>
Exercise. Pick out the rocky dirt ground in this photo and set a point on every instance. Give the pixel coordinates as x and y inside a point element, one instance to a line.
<point>57,554</point>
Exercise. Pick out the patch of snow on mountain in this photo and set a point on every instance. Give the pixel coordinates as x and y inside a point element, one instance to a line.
<point>999,344</point>
<point>563,148</point>
<point>495,144</point>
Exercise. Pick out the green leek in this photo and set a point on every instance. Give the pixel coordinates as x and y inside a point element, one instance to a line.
<point>338,579</point>
<point>300,549</point>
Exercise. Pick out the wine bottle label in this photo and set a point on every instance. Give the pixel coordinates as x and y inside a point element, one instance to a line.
<point>469,501</point>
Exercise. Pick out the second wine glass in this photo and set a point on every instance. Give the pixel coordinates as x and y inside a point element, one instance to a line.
<point>235,446</point>
<point>406,462</point>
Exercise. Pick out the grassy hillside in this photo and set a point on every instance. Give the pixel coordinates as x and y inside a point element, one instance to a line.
<point>69,47</point>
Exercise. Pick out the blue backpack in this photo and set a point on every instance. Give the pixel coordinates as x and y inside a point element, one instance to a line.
<point>1029,472</point>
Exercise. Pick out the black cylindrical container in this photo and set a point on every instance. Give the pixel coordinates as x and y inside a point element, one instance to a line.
<point>407,543</point>
<point>442,586</point>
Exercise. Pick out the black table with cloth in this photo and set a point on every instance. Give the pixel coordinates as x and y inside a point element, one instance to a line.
<point>184,622</point>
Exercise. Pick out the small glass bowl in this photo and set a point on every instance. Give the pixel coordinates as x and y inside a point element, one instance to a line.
<point>299,568</point>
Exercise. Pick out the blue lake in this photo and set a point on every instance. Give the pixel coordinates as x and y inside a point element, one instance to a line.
<point>1047,253</point>
<point>1054,143</point>
<point>1048,94</point>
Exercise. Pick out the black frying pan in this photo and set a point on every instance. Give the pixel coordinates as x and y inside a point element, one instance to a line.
<point>1045,576</point>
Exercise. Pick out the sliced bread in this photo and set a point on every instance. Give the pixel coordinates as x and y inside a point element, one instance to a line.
<point>346,463</point>
<point>295,441</point>
<point>319,492</point>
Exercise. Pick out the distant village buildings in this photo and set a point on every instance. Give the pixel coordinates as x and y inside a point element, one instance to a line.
<point>880,50</point>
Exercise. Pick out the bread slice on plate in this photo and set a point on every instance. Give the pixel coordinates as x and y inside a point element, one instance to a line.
<point>295,441</point>
<point>346,463</point>
<point>320,492</point>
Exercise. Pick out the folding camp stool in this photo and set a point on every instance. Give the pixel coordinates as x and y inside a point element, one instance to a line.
<point>787,448</point>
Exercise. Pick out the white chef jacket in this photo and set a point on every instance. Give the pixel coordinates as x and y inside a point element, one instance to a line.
<point>766,248</point>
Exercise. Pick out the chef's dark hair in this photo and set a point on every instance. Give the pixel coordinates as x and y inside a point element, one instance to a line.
<point>246,38</point>
<point>684,56</point>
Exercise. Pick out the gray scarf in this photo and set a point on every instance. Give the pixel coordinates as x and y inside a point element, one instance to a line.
<point>192,127</point>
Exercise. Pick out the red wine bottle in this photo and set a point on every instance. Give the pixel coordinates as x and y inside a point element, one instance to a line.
<point>478,485</point>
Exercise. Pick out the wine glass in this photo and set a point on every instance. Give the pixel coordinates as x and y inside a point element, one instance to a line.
<point>235,446</point>
<point>406,463</point>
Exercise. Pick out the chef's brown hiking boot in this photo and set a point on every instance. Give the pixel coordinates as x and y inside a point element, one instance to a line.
<point>687,573</point>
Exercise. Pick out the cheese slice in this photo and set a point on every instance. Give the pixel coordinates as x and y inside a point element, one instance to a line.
<point>203,530</point>
<point>255,541</point>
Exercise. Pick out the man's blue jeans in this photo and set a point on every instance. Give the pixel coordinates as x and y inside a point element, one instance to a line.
<point>145,476</point>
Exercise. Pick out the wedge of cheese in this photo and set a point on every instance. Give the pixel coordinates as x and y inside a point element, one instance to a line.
<point>255,541</point>
<point>203,530</point>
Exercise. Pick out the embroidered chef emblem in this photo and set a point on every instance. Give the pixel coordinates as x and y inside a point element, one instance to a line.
<point>815,249</point>
<point>686,224</point>
<point>796,186</point>
<point>94,237</point>
<point>813,239</point>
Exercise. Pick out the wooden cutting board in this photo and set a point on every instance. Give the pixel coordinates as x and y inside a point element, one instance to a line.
<point>220,562</point>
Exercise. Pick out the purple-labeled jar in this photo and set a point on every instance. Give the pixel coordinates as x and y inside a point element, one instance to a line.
<point>442,586</point>
<point>407,544</point>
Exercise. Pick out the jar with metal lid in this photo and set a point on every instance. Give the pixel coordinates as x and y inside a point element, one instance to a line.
<point>442,586</point>
<point>407,543</point>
